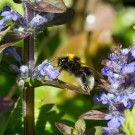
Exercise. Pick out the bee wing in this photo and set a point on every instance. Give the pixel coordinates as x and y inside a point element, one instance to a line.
<point>95,72</point>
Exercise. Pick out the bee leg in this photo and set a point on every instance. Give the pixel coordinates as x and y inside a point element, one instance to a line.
<point>84,80</point>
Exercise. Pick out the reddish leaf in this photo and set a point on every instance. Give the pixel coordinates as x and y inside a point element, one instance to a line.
<point>60,18</point>
<point>12,37</point>
<point>65,129</point>
<point>2,47</point>
<point>53,6</point>
<point>94,115</point>
<point>5,104</point>
<point>9,39</point>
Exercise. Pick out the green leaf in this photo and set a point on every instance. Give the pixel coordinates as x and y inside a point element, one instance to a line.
<point>129,122</point>
<point>97,130</point>
<point>47,115</point>
<point>4,31</point>
<point>80,127</point>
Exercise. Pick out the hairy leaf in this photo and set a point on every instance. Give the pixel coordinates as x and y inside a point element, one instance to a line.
<point>4,31</point>
<point>55,83</point>
<point>12,37</point>
<point>53,6</point>
<point>80,127</point>
<point>59,18</point>
<point>65,129</point>
<point>94,115</point>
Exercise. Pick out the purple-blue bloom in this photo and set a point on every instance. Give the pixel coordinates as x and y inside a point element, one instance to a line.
<point>6,8</point>
<point>11,50</point>
<point>24,71</point>
<point>52,72</point>
<point>115,118</point>
<point>120,69</point>
<point>105,98</point>
<point>37,21</point>
<point>131,54</point>
<point>8,15</point>
<point>128,68</point>
<point>39,72</point>
<point>120,72</point>
<point>124,97</point>
<point>47,69</point>
<point>110,131</point>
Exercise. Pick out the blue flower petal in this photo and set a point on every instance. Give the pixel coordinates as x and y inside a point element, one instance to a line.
<point>128,68</point>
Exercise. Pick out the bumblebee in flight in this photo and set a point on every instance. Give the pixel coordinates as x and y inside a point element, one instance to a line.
<point>74,66</point>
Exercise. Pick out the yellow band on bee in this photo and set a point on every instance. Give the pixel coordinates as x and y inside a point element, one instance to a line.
<point>70,56</point>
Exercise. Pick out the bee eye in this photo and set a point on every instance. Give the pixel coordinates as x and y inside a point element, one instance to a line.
<point>63,60</point>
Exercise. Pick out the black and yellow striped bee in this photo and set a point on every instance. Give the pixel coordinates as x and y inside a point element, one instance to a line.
<point>74,65</point>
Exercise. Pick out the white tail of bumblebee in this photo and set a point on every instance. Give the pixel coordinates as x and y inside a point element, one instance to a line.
<point>91,83</point>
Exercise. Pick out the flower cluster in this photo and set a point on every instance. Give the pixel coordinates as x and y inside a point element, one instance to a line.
<point>19,21</point>
<point>39,72</point>
<point>8,15</point>
<point>22,71</point>
<point>37,22</point>
<point>120,71</point>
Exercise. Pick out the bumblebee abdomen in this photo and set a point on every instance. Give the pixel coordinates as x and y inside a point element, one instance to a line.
<point>87,70</point>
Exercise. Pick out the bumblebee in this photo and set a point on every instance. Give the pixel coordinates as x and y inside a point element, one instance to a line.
<point>73,65</point>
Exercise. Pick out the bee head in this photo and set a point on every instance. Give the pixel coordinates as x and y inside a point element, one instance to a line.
<point>62,61</point>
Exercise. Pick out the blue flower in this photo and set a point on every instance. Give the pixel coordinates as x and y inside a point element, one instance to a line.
<point>40,72</point>
<point>115,118</point>
<point>37,21</point>
<point>123,98</point>
<point>131,54</point>
<point>24,71</point>
<point>120,72</point>
<point>8,15</point>
<point>52,72</point>
<point>6,8</point>
<point>128,68</point>
<point>104,98</point>
<point>96,99</point>
<point>47,69</point>
<point>120,69</point>
<point>11,50</point>
<point>110,131</point>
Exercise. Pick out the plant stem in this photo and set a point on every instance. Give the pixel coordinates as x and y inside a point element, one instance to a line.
<point>28,104</point>
<point>28,93</point>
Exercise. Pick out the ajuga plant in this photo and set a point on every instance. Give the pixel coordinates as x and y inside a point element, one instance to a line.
<point>118,85</point>
<point>19,61</point>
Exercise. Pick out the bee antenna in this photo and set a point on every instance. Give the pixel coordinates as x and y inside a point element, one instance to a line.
<point>55,58</point>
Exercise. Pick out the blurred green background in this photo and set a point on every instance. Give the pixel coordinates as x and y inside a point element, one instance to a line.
<point>97,27</point>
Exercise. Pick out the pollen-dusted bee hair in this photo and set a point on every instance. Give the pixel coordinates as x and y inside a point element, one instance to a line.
<point>74,65</point>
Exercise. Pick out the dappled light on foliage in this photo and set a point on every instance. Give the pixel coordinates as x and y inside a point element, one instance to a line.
<point>67,67</point>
